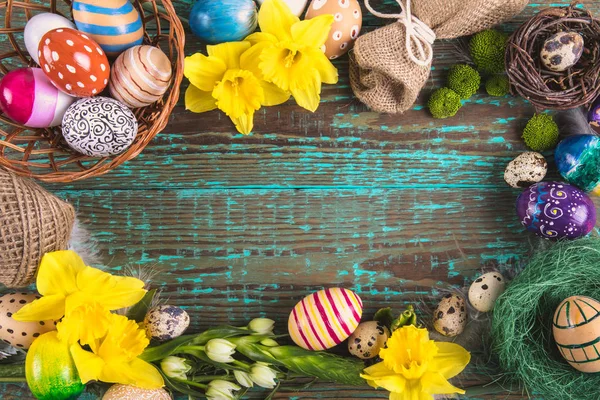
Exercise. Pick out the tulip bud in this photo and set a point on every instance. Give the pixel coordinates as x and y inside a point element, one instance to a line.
<point>243,378</point>
<point>263,376</point>
<point>269,342</point>
<point>175,367</point>
<point>262,326</point>
<point>220,350</point>
<point>221,390</point>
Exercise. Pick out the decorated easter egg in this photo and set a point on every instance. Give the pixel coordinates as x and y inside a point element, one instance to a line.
<point>486,289</point>
<point>29,98</point>
<point>346,26</point>
<point>562,51</point>
<point>17,333</point>
<point>556,210</point>
<point>140,76</point>
<point>297,7</point>
<point>99,126</point>
<point>594,115</point>
<point>218,21</point>
<point>368,338</point>
<point>166,322</point>
<point>450,316</point>
<point>73,62</point>
<point>114,24</point>
<point>325,318</point>
<point>526,169</point>
<point>578,160</point>
<point>576,330</point>
<point>38,26</point>
<point>128,392</point>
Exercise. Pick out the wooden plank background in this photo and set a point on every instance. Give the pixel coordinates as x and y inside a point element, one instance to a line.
<point>396,208</point>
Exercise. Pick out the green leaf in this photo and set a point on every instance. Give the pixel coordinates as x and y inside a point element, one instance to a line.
<point>408,317</point>
<point>159,352</point>
<point>138,311</point>
<point>384,316</point>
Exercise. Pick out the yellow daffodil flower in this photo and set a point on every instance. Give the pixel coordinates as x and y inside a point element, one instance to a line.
<point>66,283</point>
<point>86,324</point>
<point>290,52</point>
<point>116,358</point>
<point>225,80</point>
<point>416,368</point>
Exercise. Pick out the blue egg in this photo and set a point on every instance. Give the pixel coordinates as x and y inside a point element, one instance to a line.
<point>218,21</point>
<point>578,161</point>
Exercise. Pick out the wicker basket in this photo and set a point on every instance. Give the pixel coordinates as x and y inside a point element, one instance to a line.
<point>43,153</point>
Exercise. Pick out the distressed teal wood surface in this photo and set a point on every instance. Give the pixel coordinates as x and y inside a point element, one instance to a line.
<point>397,208</point>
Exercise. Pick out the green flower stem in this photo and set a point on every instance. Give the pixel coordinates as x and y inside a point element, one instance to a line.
<point>210,378</point>
<point>191,383</point>
<point>183,349</point>
<point>12,373</point>
<point>242,365</point>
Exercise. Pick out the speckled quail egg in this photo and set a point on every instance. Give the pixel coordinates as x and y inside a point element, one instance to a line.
<point>368,338</point>
<point>486,289</point>
<point>166,322</point>
<point>562,51</point>
<point>450,316</point>
<point>526,169</point>
<point>16,333</point>
<point>127,392</point>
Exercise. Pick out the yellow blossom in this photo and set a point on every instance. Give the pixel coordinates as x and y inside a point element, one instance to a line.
<point>416,368</point>
<point>86,324</point>
<point>290,52</point>
<point>115,360</point>
<point>225,79</point>
<point>66,283</point>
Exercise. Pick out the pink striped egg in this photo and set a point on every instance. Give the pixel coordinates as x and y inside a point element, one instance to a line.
<point>325,318</point>
<point>140,76</point>
<point>29,98</point>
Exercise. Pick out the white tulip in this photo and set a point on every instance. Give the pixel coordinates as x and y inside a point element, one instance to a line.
<point>175,367</point>
<point>221,390</point>
<point>262,326</point>
<point>220,350</point>
<point>263,376</point>
<point>243,378</point>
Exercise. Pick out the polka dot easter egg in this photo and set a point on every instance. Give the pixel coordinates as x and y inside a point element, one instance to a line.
<point>38,26</point>
<point>346,26</point>
<point>114,24</point>
<point>16,333</point>
<point>325,318</point>
<point>73,62</point>
<point>29,98</point>
<point>140,76</point>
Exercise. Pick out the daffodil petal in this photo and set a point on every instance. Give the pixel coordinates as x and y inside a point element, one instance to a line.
<point>145,375</point>
<point>204,72</point>
<point>276,18</point>
<point>199,101</point>
<point>250,59</point>
<point>57,273</point>
<point>273,95</point>
<point>313,32</point>
<point>258,37</point>
<point>377,370</point>
<point>327,71</point>
<point>45,308</point>
<point>450,360</point>
<point>307,91</point>
<point>435,383</point>
<point>89,366</point>
<point>238,93</point>
<point>85,324</point>
<point>244,123</point>
<point>392,382</point>
<point>112,292</point>
<point>229,53</point>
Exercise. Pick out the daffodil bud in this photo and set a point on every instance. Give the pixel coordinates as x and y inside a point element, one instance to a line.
<point>243,378</point>
<point>269,342</point>
<point>221,390</point>
<point>175,367</point>
<point>262,326</point>
<point>263,376</point>
<point>220,350</point>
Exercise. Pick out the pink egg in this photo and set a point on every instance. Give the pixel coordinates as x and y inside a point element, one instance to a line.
<point>29,98</point>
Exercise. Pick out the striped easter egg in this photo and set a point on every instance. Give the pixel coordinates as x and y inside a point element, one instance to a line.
<point>114,24</point>
<point>576,329</point>
<point>140,76</point>
<point>325,318</point>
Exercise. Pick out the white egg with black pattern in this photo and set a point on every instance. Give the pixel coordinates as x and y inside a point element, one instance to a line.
<point>486,289</point>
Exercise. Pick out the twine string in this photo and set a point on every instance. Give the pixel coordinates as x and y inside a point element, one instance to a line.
<point>417,32</point>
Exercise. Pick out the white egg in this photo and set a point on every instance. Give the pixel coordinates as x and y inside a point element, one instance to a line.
<point>166,322</point>
<point>486,289</point>
<point>525,170</point>
<point>296,6</point>
<point>562,51</point>
<point>38,26</point>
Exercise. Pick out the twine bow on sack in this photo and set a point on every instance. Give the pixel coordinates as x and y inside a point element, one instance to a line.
<point>417,32</point>
<point>390,65</point>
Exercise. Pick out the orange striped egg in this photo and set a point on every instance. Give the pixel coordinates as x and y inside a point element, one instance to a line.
<point>576,329</point>
<point>325,318</point>
<point>140,76</point>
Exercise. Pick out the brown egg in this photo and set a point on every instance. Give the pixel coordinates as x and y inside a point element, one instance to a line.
<point>16,333</point>
<point>345,28</point>
<point>450,316</point>
<point>127,392</point>
<point>368,338</point>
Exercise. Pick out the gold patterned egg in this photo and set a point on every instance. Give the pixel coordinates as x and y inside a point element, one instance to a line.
<point>16,333</point>
<point>576,329</point>
<point>127,392</point>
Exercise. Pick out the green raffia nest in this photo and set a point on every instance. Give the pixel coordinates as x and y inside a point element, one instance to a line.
<point>522,321</point>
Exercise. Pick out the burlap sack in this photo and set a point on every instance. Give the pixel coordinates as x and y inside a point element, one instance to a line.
<point>381,73</point>
<point>32,223</point>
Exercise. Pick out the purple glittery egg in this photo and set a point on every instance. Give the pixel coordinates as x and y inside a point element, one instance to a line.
<point>556,210</point>
<point>594,115</point>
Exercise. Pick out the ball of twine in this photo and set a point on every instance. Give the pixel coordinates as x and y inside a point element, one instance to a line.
<point>546,89</point>
<point>522,320</point>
